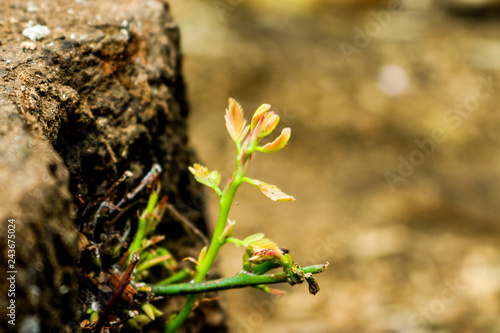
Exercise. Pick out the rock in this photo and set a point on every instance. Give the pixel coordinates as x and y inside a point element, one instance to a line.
<point>98,91</point>
<point>37,32</point>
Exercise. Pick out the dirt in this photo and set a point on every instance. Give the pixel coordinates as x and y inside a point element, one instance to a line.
<point>98,90</point>
<point>421,258</point>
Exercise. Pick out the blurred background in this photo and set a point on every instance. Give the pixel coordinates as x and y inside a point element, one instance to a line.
<point>394,156</point>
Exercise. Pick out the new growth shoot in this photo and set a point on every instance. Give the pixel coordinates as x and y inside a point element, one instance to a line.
<point>261,254</point>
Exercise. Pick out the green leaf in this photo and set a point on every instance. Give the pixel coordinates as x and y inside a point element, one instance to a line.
<point>203,254</point>
<point>259,242</point>
<point>228,230</point>
<point>148,310</point>
<point>268,290</point>
<point>202,175</point>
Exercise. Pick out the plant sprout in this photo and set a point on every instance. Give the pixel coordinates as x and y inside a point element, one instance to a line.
<point>261,254</point>
<point>145,252</point>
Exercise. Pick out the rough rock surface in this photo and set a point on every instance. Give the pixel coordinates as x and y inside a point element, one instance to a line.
<point>97,91</point>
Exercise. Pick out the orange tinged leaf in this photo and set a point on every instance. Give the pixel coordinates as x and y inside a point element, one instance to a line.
<point>273,291</point>
<point>278,143</point>
<point>235,122</point>
<point>259,113</point>
<point>271,191</point>
<point>271,119</point>
<point>266,255</point>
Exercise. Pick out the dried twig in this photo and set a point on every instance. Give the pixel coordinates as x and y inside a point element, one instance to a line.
<point>150,177</point>
<point>125,280</point>
<point>187,223</point>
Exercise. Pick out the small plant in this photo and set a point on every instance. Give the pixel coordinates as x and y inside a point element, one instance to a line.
<point>261,254</point>
<point>125,290</point>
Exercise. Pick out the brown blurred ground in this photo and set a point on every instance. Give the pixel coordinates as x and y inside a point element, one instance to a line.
<point>423,257</point>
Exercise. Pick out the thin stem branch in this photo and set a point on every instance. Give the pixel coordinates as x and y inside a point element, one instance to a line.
<point>241,280</point>
<point>186,223</point>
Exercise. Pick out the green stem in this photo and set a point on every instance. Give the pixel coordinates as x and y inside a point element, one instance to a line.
<point>139,236</point>
<point>238,281</point>
<point>179,276</point>
<point>216,244</point>
<point>143,224</point>
<point>226,200</point>
<point>153,262</point>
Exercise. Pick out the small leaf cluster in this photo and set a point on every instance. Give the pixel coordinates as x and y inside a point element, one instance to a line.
<point>247,139</point>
